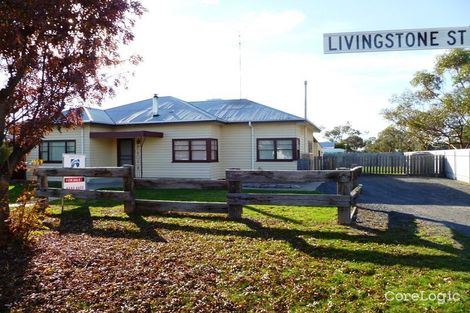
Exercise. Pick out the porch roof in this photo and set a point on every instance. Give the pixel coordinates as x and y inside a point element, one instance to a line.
<point>126,134</point>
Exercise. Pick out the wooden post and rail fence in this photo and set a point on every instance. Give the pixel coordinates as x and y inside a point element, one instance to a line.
<point>344,199</point>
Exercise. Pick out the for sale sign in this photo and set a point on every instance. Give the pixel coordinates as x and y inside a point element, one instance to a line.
<point>74,182</point>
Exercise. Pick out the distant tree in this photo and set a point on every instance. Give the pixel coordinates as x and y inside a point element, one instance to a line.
<point>437,112</point>
<point>345,137</point>
<point>369,142</point>
<point>392,139</point>
<point>53,53</point>
<point>339,133</point>
<point>354,143</point>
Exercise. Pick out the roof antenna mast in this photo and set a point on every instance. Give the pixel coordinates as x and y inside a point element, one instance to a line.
<point>305,99</point>
<point>240,61</point>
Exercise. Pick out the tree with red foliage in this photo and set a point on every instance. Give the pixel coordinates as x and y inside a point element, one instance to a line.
<point>52,54</point>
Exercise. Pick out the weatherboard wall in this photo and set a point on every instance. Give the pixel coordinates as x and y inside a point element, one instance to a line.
<point>154,158</point>
<point>238,149</point>
<point>100,151</point>
<point>157,153</point>
<point>235,147</point>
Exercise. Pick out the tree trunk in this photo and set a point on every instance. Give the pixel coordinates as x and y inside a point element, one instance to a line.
<point>6,170</point>
<point>4,207</point>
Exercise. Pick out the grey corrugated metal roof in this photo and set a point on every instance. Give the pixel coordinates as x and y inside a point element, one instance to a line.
<point>173,110</point>
<point>334,151</point>
<point>170,109</point>
<point>94,115</point>
<point>327,145</point>
<point>243,110</point>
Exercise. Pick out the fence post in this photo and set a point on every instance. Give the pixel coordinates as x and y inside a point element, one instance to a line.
<point>353,179</point>
<point>129,205</point>
<point>344,187</point>
<point>235,211</point>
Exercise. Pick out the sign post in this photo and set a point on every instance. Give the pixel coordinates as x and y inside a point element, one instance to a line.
<point>73,182</point>
<point>397,40</point>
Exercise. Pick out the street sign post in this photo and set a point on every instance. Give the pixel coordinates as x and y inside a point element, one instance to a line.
<point>397,40</point>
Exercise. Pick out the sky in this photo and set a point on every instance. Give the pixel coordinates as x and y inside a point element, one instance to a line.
<point>191,51</point>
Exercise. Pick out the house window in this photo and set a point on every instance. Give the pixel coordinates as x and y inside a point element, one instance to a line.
<point>277,149</point>
<point>195,150</point>
<point>50,151</point>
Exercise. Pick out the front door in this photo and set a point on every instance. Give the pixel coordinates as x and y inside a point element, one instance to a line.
<point>125,151</point>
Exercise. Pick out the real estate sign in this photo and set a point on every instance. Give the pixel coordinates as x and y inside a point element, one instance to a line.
<point>396,40</point>
<point>74,161</point>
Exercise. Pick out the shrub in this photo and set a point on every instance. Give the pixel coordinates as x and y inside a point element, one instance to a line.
<point>26,216</point>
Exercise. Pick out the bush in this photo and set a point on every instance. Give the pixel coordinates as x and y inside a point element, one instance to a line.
<point>26,216</point>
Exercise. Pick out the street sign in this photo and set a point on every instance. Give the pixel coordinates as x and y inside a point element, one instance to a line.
<point>397,40</point>
<point>74,161</point>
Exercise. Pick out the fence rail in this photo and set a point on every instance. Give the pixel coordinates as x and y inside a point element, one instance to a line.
<point>346,179</point>
<point>85,194</point>
<point>126,172</point>
<point>379,163</point>
<point>151,206</point>
<point>180,183</point>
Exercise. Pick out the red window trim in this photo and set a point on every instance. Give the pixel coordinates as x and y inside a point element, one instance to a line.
<point>295,151</point>
<point>208,150</point>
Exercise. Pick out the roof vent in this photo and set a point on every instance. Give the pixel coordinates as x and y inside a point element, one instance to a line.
<point>155,105</point>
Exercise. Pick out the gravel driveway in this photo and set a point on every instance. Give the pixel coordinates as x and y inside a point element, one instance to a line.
<point>436,200</point>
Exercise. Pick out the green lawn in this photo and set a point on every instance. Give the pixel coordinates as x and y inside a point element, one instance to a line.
<point>277,259</point>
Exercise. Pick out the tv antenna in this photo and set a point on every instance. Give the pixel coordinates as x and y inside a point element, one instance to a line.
<point>240,62</point>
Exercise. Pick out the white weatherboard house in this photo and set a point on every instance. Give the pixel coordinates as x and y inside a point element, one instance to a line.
<point>168,137</point>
